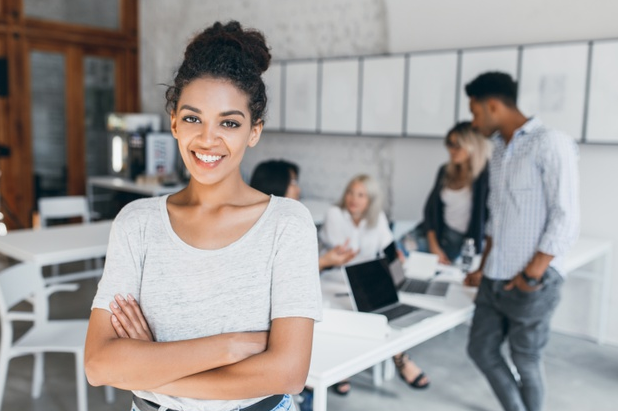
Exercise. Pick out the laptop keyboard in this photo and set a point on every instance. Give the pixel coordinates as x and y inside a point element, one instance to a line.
<point>438,288</point>
<point>398,311</point>
<point>415,286</point>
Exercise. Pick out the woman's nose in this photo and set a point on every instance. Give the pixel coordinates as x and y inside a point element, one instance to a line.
<point>208,135</point>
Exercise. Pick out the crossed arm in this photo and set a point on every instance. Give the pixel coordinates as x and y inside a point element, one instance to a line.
<point>121,353</point>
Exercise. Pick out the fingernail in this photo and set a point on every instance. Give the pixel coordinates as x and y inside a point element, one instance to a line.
<point>131,297</point>
<point>119,297</point>
<point>114,305</point>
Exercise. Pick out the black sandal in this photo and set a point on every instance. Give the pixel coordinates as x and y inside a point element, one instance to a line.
<point>400,363</point>
<point>338,388</point>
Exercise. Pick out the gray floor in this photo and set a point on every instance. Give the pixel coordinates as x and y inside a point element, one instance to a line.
<point>581,376</point>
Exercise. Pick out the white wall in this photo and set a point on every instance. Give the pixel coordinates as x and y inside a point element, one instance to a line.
<point>406,167</point>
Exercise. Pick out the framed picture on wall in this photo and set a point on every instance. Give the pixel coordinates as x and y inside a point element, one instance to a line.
<point>273,82</point>
<point>383,95</point>
<point>553,85</point>
<point>432,79</point>
<point>301,96</point>
<point>602,121</point>
<point>479,61</point>
<point>339,96</point>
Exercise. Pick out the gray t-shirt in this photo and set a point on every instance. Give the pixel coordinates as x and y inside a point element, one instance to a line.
<point>185,292</point>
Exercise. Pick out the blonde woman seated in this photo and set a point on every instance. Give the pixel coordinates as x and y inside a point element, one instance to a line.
<point>358,219</point>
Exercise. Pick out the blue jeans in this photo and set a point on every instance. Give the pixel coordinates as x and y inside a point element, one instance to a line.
<point>523,319</point>
<point>450,241</point>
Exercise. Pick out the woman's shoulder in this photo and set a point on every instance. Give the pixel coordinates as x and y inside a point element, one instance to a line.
<point>287,208</point>
<point>137,211</point>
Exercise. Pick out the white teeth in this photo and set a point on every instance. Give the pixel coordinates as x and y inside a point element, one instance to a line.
<point>207,159</point>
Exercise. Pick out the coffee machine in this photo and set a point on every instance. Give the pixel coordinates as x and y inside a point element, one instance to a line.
<point>127,142</point>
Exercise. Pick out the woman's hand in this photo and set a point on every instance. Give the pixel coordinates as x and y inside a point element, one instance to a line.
<point>442,258</point>
<point>128,320</point>
<point>337,256</point>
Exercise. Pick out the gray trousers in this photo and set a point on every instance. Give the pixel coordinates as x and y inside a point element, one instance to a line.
<point>523,319</point>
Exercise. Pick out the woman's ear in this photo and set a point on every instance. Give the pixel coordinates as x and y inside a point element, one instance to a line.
<point>256,133</point>
<point>173,124</point>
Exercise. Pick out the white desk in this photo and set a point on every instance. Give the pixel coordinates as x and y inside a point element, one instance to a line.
<point>126,186</point>
<point>588,286</point>
<point>119,184</point>
<point>337,357</point>
<point>57,245</point>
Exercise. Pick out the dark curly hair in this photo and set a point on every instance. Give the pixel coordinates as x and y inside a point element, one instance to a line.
<point>226,52</point>
<point>493,84</point>
<point>273,177</point>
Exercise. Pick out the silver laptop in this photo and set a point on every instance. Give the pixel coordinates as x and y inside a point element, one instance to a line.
<point>373,291</point>
<point>421,285</point>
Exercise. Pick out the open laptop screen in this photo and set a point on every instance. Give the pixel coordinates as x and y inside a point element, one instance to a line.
<point>391,252</point>
<point>371,285</point>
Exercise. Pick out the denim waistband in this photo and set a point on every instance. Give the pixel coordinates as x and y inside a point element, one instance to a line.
<point>267,404</point>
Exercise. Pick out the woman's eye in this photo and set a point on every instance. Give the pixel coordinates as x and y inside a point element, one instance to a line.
<point>230,124</point>
<point>191,119</point>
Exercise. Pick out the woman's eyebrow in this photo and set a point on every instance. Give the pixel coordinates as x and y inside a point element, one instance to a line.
<point>188,107</point>
<point>231,113</point>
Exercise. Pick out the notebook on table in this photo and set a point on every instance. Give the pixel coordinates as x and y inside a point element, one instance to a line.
<point>422,267</point>
<point>373,291</point>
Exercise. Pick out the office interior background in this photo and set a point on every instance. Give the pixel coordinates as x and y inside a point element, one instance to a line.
<point>405,166</point>
<point>152,37</point>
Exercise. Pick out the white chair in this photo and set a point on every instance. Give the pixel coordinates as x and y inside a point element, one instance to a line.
<point>54,208</point>
<point>23,282</point>
<point>51,208</point>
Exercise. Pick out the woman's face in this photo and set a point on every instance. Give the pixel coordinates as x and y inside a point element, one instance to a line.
<point>456,152</point>
<point>356,199</point>
<point>212,124</point>
<point>293,190</point>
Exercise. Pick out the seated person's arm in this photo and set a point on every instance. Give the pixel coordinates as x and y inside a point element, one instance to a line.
<point>336,256</point>
<point>434,247</point>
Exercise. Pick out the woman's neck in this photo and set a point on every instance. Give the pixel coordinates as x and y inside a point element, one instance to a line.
<point>460,177</point>
<point>232,191</point>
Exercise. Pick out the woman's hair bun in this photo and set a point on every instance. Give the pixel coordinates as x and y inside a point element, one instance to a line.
<point>231,38</point>
<point>226,51</point>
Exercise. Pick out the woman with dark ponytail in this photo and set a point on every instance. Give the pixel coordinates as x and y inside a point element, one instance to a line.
<point>209,295</point>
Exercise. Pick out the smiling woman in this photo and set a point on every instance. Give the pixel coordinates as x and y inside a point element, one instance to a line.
<point>209,295</point>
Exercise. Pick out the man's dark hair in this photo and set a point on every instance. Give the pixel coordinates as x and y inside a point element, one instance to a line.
<point>493,85</point>
<point>273,177</point>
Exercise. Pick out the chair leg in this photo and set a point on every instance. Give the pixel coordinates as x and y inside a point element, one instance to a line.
<point>110,394</point>
<point>4,369</point>
<point>37,374</point>
<point>80,380</point>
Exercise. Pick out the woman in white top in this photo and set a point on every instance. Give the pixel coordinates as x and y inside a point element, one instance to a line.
<point>358,222</point>
<point>358,219</point>
<point>209,295</point>
<point>456,208</point>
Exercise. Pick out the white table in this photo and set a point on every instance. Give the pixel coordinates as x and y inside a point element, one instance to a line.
<point>57,245</point>
<point>337,357</point>
<point>126,186</point>
<point>589,260</point>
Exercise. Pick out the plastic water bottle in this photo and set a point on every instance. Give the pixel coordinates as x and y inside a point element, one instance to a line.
<point>467,255</point>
